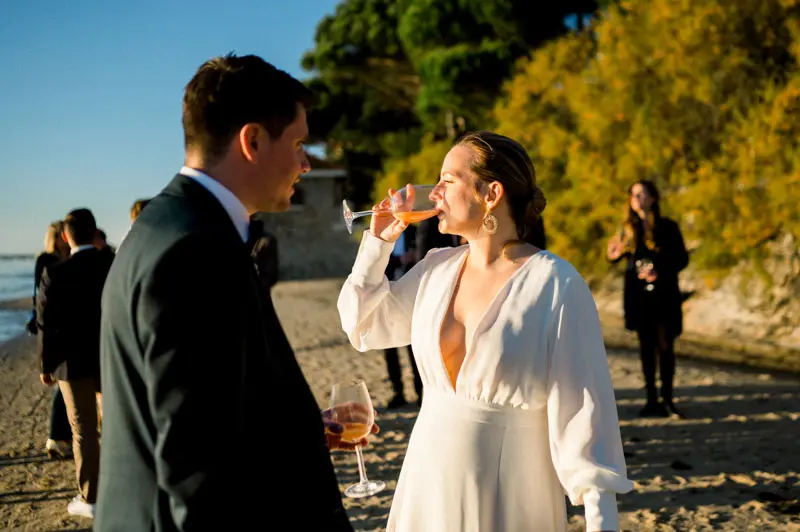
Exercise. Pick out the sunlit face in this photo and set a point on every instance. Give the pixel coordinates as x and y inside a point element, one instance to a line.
<point>641,200</point>
<point>462,211</point>
<point>280,165</point>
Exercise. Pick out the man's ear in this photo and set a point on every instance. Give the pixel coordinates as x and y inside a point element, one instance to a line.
<point>249,141</point>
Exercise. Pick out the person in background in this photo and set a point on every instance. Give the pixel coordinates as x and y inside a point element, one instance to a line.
<point>56,249</point>
<point>101,243</point>
<point>137,207</point>
<point>68,317</point>
<point>655,253</point>
<point>429,237</point>
<point>403,257</point>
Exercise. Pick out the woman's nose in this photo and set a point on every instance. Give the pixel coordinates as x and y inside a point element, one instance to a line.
<point>435,194</point>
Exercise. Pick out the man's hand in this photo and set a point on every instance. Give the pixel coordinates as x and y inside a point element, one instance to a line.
<point>47,379</point>
<point>335,429</point>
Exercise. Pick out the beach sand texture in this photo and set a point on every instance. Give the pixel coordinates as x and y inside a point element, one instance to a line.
<point>733,464</point>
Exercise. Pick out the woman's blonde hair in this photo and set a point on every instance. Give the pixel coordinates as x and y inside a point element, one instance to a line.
<point>52,236</point>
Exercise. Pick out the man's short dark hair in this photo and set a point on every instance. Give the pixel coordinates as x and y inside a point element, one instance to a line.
<point>81,226</point>
<point>228,92</point>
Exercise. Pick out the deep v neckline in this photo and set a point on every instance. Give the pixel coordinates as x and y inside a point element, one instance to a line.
<point>449,295</point>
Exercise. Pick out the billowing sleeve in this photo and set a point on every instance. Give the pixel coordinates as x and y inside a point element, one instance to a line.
<point>583,425</point>
<point>376,313</point>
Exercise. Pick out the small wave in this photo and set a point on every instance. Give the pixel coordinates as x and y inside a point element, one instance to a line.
<point>12,323</point>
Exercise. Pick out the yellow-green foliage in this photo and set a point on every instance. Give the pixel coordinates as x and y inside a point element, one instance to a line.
<point>700,96</point>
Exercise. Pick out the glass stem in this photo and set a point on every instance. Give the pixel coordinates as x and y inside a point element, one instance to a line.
<point>362,475</point>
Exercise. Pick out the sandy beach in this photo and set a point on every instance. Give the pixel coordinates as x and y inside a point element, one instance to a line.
<point>733,464</point>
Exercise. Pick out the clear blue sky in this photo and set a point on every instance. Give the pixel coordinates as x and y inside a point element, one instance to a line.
<point>90,97</point>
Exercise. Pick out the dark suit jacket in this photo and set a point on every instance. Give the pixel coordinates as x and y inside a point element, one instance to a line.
<point>208,421</point>
<point>68,315</point>
<point>264,251</point>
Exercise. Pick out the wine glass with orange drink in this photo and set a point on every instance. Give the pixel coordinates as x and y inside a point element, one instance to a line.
<point>410,204</point>
<point>351,408</point>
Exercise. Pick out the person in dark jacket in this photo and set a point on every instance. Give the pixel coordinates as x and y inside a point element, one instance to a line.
<point>204,399</point>
<point>56,249</point>
<point>655,253</point>
<point>68,318</point>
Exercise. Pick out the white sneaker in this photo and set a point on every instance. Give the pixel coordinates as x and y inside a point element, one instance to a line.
<point>58,449</point>
<point>78,506</point>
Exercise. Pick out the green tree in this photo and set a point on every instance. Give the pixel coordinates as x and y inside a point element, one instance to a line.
<point>464,50</point>
<point>699,96</point>
<point>388,72</point>
<point>366,90</point>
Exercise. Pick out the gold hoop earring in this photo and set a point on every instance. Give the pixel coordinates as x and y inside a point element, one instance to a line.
<point>490,223</point>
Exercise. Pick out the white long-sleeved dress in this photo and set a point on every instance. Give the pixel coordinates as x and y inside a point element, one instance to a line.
<point>532,415</point>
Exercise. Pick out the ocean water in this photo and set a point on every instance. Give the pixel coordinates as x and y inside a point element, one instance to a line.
<point>16,282</point>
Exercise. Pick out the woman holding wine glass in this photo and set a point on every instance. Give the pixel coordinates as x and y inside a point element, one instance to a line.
<point>519,407</point>
<point>655,253</point>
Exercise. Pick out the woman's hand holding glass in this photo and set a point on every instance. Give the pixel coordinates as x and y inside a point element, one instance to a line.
<point>646,271</point>
<point>390,217</point>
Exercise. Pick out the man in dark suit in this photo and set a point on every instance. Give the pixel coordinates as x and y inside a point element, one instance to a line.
<point>205,404</point>
<point>68,314</point>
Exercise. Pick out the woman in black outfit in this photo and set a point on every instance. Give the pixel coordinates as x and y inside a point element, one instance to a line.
<point>56,249</point>
<point>655,253</point>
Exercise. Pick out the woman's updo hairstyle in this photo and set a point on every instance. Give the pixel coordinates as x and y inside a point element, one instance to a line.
<point>504,160</point>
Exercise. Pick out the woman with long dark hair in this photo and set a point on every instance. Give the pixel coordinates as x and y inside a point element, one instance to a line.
<point>655,253</point>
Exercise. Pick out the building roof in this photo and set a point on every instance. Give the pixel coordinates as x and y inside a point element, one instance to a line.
<point>322,168</point>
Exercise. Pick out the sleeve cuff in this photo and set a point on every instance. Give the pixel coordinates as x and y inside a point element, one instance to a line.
<point>600,509</point>
<point>372,259</point>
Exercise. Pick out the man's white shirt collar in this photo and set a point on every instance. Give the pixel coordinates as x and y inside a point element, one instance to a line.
<point>235,208</point>
<point>77,249</point>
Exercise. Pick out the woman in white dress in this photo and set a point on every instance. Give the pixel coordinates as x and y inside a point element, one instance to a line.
<point>518,404</point>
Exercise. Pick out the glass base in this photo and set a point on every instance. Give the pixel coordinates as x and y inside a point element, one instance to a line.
<point>347,213</point>
<point>365,489</point>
